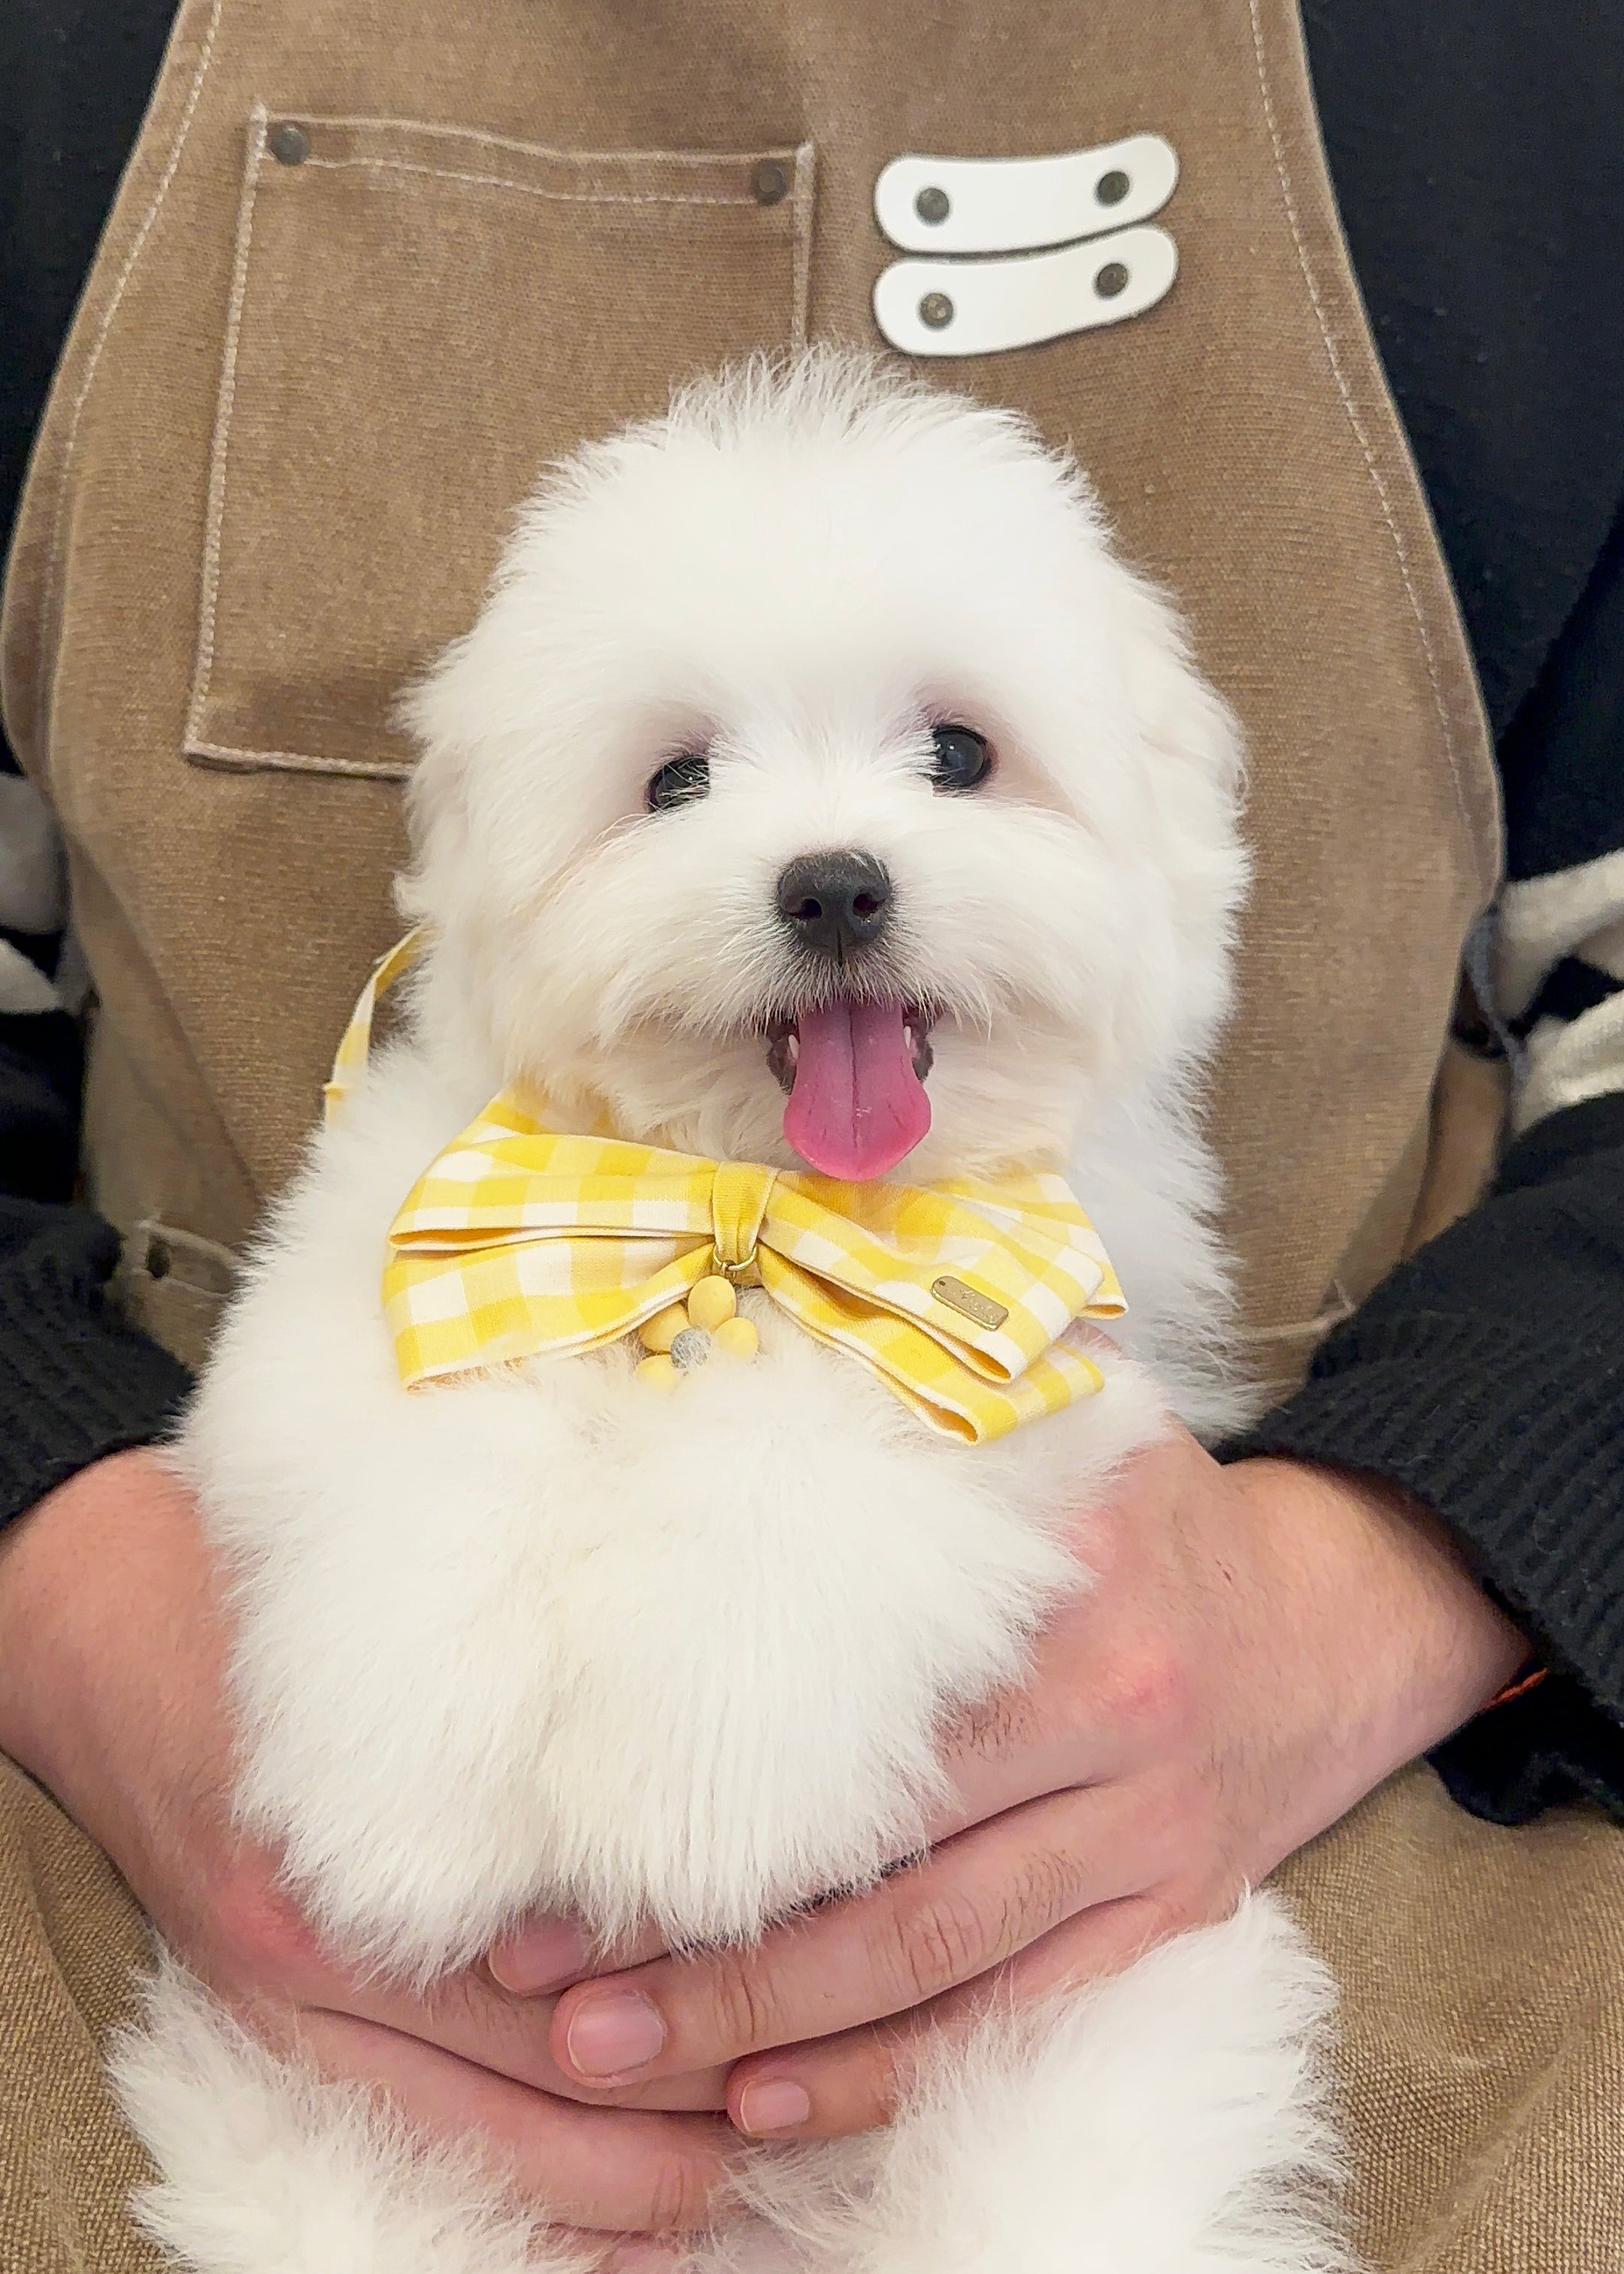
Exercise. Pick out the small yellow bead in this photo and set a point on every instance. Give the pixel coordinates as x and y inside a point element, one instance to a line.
<point>657,1371</point>
<point>712,1303</point>
<point>659,1332</point>
<point>737,1337</point>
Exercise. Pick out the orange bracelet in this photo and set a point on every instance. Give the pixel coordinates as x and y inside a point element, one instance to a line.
<point>1518,1687</point>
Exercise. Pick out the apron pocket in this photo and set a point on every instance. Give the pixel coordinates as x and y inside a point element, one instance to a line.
<point>423,317</point>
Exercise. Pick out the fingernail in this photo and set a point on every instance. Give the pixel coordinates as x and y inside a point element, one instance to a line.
<point>775,2104</point>
<point>613,2032</point>
<point>539,1957</point>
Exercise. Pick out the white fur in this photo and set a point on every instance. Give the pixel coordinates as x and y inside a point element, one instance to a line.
<point>1163,2122</point>
<point>543,1638</point>
<point>268,2170</point>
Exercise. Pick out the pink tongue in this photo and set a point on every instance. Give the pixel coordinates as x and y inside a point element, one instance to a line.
<point>857,1105</point>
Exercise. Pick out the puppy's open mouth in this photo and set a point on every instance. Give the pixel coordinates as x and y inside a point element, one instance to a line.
<point>855,1074</point>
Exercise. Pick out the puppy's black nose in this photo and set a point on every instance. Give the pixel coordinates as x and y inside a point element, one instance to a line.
<point>834,902</point>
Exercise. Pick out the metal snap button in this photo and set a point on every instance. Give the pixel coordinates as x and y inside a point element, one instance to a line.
<point>288,145</point>
<point>933,205</point>
<point>769,181</point>
<point>936,310</point>
<point>1112,188</point>
<point>1112,279</point>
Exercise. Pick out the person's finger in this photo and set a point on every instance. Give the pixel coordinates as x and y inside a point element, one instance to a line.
<point>854,2082</point>
<point>547,1953</point>
<point>261,1947</point>
<point>966,1907</point>
<point>543,1954</point>
<point>620,2170</point>
<point>468,2015</point>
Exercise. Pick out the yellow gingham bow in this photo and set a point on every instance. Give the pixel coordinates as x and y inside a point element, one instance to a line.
<point>519,1239</point>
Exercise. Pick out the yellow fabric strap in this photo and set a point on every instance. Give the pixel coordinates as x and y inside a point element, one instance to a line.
<point>521,1240</point>
<point>353,1051</point>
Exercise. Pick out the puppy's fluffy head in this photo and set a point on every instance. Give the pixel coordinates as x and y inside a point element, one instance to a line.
<point>796,619</point>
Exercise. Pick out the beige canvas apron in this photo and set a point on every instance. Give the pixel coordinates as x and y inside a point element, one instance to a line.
<point>373,262</point>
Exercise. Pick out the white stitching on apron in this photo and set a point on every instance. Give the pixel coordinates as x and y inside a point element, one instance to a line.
<point>47,644</point>
<point>204,666</point>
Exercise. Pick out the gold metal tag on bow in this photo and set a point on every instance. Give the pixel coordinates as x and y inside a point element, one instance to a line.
<point>967,1302</point>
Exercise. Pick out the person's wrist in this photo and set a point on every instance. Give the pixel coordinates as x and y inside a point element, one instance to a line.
<point>1379,1610</point>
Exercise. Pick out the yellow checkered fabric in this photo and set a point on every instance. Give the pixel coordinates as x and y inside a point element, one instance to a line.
<point>520,1240</point>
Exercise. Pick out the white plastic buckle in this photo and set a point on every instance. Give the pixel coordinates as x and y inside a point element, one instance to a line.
<point>1017,205</point>
<point>981,307</point>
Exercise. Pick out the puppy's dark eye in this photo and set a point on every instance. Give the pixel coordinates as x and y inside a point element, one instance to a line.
<point>963,759</point>
<point>679,782</point>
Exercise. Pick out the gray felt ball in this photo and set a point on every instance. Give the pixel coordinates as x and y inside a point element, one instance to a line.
<point>689,1348</point>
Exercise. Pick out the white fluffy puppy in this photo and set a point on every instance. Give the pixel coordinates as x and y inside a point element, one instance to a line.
<point>816,788</point>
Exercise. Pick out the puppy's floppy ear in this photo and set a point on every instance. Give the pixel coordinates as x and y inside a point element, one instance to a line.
<point>434,713</point>
<point>1179,715</point>
<point>1194,777</point>
<point>1190,736</point>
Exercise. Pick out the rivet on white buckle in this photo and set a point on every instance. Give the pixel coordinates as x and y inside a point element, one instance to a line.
<point>1017,205</point>
<point>980,307</point>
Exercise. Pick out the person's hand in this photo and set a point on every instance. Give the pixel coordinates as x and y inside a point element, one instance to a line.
<point>112,1646</point>
<point>1262,1645</point>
